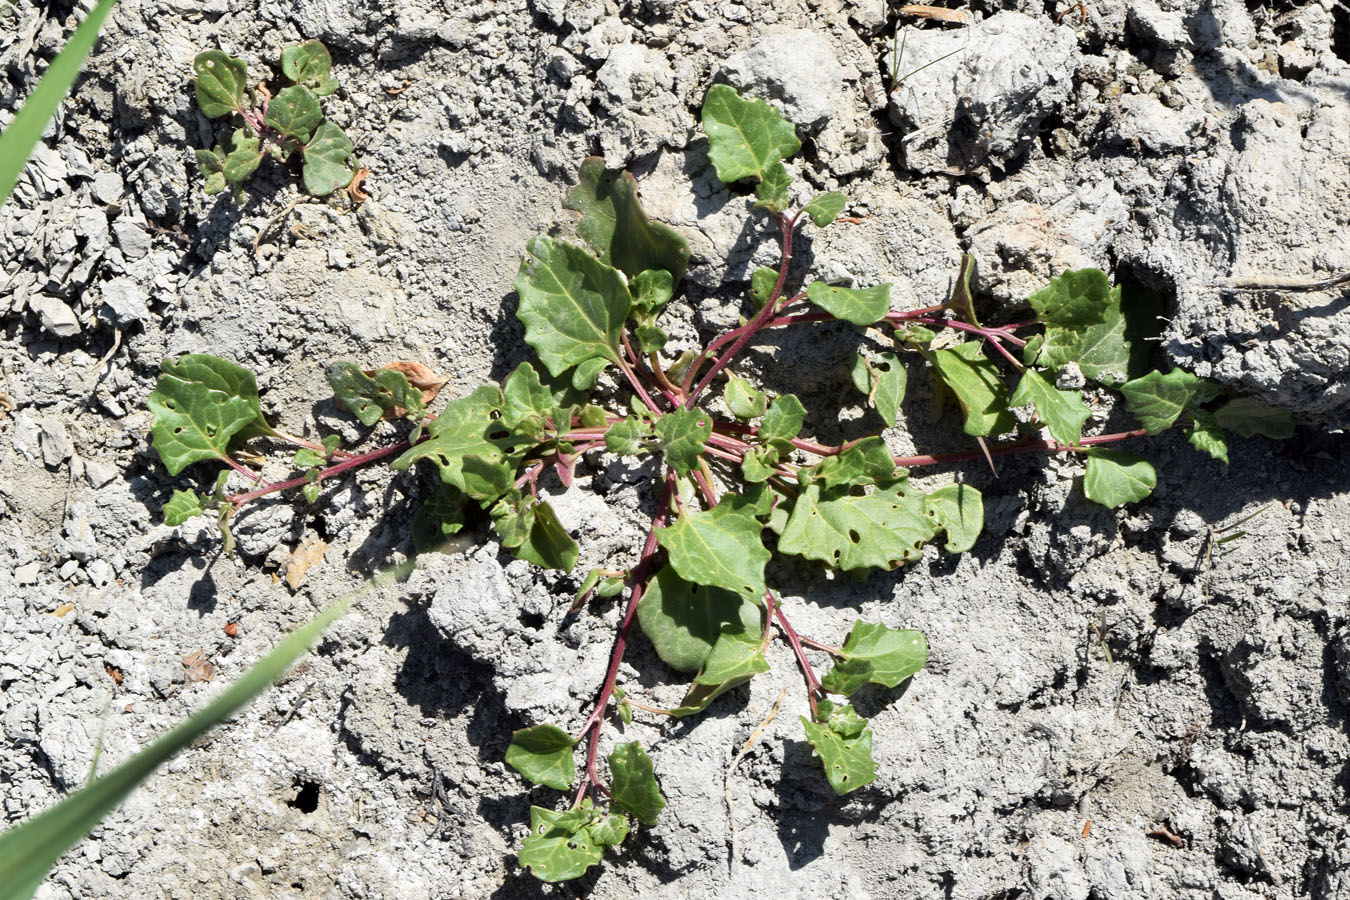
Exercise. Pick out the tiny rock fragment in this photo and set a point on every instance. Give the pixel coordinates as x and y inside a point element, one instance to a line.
<point>57,319</point>
<point>126,300</point>
<point>307,554</point>
<point>108,188</point>
<point>114,673</point>
<point>54,440</point>
<point>232,629</point>
<point>27,574</point>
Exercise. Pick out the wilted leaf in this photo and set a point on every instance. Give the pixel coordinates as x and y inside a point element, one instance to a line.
<point>309,552</point>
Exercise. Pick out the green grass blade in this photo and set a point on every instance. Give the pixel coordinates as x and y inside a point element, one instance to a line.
<point>19,139</point>
<point>28,851</point>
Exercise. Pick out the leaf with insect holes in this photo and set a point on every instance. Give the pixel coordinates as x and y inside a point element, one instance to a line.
<point>326,154</point>
<point>868,461</point>
<point>864,306</point>
<point>573,306</point>
<point>1157,400</point>
<point>772,192</point>
<point>1063,412</point>
<point>1114,478</point>
<point>975,381</point>
<point>183,505</point>
<point>847,758</point>
<point>440,517</point>
<point>883,529</point>
<point>625,437</point>
<point>784,419</point>
<point>530,528</point>
<point>193,423</point>
<point>223,377</point>
<point>633,783</point>
<point>744,401</point>
<point>543,754</point>
<point>614,223</point>
<point>762,283</point>
<point>1104,352</point>
<point>464,439</point>
<point>310,65</point>
<point>1247,417</point>
<point>745,137</point>
<point>684,620</point>
<point>294,113</point>
<point>221,80</point>
<point>1205,435</point>
<point>682,434</point>
<point>559,848</point>
<point>825,208</point>
<point>959,509</point>
<point>883,381</point>
<point>651,290</point>
<point>1075,299</point>
<point>385,395</point>
<point>734,656</point>
<point>719,547</point>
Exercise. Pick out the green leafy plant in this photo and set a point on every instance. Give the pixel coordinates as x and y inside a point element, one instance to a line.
<point>737,481</point>
<point>281,126</point>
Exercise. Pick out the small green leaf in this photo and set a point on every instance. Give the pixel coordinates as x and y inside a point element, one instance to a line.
<point>526,399</point>
<point>883,530</point>
<point>681,435</point>
<point>193,423</point>
<point>734,656</point>
<point>979,390</point>
<point>700,696</point>
<point>306,458</point>
<point>959,509</point>
<point>543,754</point>
<point>467,437</point>
<point>1206,436</point>
<point>884,384</point>
<point>651,289</point>
<point>558,849</point>
<point>1063,412</point>
<point>1157,399</point>
<point>625,437</point>
<point>572,305</point>
<point>846,676</point>
<point>962,301</point>
<point>183,505</point>
<point>893,655</point>
<point>919,335</point>
<point>772,192</point>
<point>1075,300</point>
<point>221,80</point>
<point>1108,351</point>
<point>825,208</point>
<point>326,154</point>
<point>307,64</point>
<point>386,394</point>
<point>311,491</point>
<point>614,223</point>
<point>762,283</point>
<point>633,783</point>
<point>612,829</point>
<point>1114,478</point>
<point>784,419</point>
<point>864,306</point>
<point>1247,417</point>
<point>531,529</point>
<point>847,760</point>
<point>294,112</point>
<point>212,164</point>
<point>868,461</point>
<point>586,374</point>
<point>757,466</point>
<point>243,160</point>
<point>720,547</point>
<point>745,137</point>
<point>439,517</point>
<point>744,401</point>
<point>684,620</point>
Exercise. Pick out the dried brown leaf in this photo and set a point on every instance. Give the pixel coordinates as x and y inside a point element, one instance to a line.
<point>418,375</point>
<point>959,16</point>
<point>307,554</point>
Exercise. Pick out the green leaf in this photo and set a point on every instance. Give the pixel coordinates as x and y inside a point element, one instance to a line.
<point>223,377</point>
<point>784,419</point>
<point>1108,352</point>
<point>684,620</point>
<point>1206,436</point>
<point>651,289</point>
<point>962,301</point>
<point>757,466</point>
<point>1076,299</point>
<point>884,384</point>
<point>326,154</point>
<point>307,64</point>
<point>915,334</point>
<point>720,547</point>
<point>212,164</point>
<point>193,423</point>
<point>439,517</point>
<point>868,461</point>
<point>1247,417</point>
<point>959,509</point>
<point>682,434</point>
<point>294,113</point>
<point>543,754</point>
<point>846,676</point>
<point>744,401</point>
<point>526,399</point>
<point>825,208</point>
<point>586,374</point>
<point>572,305</point>
<point>745,137</point>
<point>612,829</point>
<point>979,390</point>
<point>1063,412</point>
<point>734,656</point>
<point>633,782</point>
<point>651,339</point>
<point>469,432</point>
<point>558,849</point>
<point>531,529</point>
<point>762,283</point>
<point>220,83</point>
<point>1157,399</point>
<point>893,655</point>
<point>864,306</point>
<point>243,160</point>
<point>700,696</point>
<point>370,398</point>
<point>625,437</point>
<point>183,505</point>
<point>883,530</point>
<point>772,192</point>
<point>841,718</point>
<point>1114,478</point>
<point>614,223</point>
<point>847,760</point>
<point>306,458</point>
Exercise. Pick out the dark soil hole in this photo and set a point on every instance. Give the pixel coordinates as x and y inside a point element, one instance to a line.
<point>1340,31</point>
<point>306,797</point>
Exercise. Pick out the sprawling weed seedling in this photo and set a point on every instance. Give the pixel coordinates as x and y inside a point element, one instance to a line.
<point>737,480</point>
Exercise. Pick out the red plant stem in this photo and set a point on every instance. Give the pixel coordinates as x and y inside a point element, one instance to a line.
<point>239,467</point>
<point>640,574</point>
<point>1023,447</point>
<point>813,688</point>
<point>637,385</point>
<point>351,462</point>
<point>638,365</point>
<point>309,445</point>
<point>993,334</point>
<point>817,645</point>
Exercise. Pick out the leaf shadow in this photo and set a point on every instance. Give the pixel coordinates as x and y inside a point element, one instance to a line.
<point>807,808</point>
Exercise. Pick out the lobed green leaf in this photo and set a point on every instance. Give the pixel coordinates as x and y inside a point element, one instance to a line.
<point>682,435</point>
<point>558,848</point>
<point>325,169</point>
<point>310,65</point>
<point>847,760</point>
<point>720,547</point>
<point>1074,300</point>
<point>543,754</point>
<point>1157,400</point>
<point>183,505</point>
<point>468,444</point>
<point>743,399</point>
<point>1205,435</point>
<point>1248,417</point>
<point>370,398</point>
<point>633,782</point>
<point>1063,412</point>
<point>882,530</point>
<point>736,655</point>
<point>614,223</point>
<point>745,137</point>
<point>572,305</point>
<point>294,113</point>
<point>825,208</point>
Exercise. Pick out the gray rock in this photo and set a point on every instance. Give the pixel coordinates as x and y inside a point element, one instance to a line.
<point>107,188</point>
<point>54,440</point>
<point>57,319</point>
<point>132,238</point>
<point>1053,871</point>
<point>1162,29</point>
<point>127,301</point>
<point>797,69</point>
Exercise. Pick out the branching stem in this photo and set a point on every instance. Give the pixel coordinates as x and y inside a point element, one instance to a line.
<point>352,462</point>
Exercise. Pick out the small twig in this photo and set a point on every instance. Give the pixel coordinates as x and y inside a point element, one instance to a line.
<point>1282,284</point>
<point>736,760</point>
<point>1163,833</point>
<point>300,701</point>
